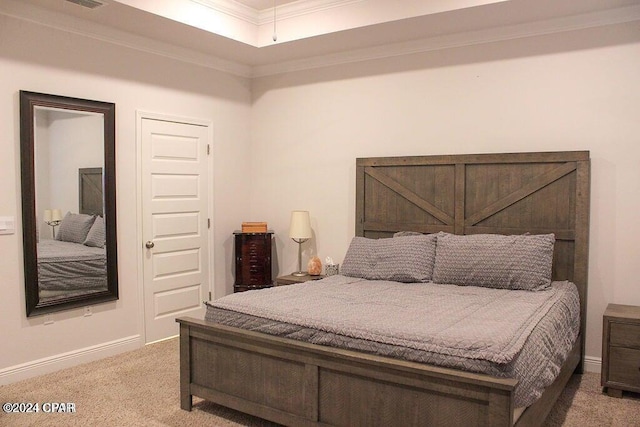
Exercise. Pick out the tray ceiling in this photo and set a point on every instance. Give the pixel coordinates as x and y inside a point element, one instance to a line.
<point>237,35</point>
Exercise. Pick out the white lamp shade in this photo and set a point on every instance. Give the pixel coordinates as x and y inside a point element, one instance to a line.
<point>47,215</point>
<point>300,225</point>
<point>56,215</point>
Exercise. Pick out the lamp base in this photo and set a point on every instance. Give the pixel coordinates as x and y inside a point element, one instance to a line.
<point>299,273</point>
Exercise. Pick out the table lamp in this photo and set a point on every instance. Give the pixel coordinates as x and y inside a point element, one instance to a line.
<point>300,231</point>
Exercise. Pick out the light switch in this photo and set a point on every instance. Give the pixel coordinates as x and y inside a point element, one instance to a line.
<point>7,225</point>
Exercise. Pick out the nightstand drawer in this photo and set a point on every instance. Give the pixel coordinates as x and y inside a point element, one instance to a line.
<point>624,366</point>
<point>625,335</point>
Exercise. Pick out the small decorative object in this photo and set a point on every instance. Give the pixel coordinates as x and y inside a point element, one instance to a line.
<point>330,268</point>
<point>314,267</point>
<point>300,232</point>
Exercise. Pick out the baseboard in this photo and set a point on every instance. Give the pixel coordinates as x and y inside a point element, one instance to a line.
<point>164,339</point>
<point>593,364</point>
<point>66,360</point>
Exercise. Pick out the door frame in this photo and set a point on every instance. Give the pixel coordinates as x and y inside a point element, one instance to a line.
<point>140,116</point>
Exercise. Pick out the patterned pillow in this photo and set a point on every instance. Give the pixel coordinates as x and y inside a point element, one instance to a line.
<point>495,261</point>
<point>74,227</point>
<point>401,259</point>
<point>97,235</point>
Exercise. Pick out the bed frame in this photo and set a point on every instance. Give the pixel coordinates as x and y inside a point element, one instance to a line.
<point>300,384</point>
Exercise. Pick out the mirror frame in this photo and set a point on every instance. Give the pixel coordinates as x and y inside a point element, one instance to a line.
<point>28,102</point>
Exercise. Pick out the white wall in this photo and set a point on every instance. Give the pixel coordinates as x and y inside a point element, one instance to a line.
<point>42,176</point>
<point>75,142</point>
<point>570,91</point>
<point>65,142</point>
<point>41,59</point>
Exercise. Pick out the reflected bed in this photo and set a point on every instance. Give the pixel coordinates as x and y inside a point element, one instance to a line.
<point>65,267</point>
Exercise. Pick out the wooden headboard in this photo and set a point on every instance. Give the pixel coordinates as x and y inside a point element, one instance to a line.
<point>90,199</point>
<point>511,193</point>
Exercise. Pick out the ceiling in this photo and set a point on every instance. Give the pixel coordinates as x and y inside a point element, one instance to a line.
<point>236,36</point>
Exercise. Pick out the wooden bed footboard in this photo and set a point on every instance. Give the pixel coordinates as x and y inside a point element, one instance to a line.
<point>300,384</point>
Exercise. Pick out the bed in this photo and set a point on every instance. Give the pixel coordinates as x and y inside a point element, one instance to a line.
<point>297,383</point>
<point>65,268</point>
<point>75,262</point>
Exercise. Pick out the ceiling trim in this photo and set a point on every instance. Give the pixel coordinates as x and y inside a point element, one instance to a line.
<point>261,17</point>
<point>107,34</point>
<point>232,8</point>
<point>301,8</point>
<point>557,25</point>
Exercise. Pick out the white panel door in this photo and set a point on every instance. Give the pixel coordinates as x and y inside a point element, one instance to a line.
<point>175,224</point>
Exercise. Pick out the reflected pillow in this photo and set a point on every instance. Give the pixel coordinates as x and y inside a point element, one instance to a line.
<point>74,227</point>
<point>97,235</point>
<point>495,261</point>
<point>401,259</point>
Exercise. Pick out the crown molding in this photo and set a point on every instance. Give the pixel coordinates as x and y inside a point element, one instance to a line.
<point>558,25</point>
<point>232,8</point>
<point>70,24</point>
<point>265,16</point>
<point>125,39</point>
<point>301,8</point>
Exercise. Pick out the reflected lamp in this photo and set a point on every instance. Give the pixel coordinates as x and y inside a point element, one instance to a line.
<point>53,218</point>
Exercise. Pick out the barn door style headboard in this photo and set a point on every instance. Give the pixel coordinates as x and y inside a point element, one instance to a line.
<point>90,199</point>
<point>512,193</point>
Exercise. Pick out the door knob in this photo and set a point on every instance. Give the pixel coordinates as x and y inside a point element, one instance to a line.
<point>149,244</point>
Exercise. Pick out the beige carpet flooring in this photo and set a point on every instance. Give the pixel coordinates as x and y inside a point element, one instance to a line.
<point>140,388</point>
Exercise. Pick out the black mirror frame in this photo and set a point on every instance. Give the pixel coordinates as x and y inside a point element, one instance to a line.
<point>28,102</point>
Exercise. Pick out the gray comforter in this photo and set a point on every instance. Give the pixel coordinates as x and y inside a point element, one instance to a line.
<point>70,266</point>
<point>476,329</point>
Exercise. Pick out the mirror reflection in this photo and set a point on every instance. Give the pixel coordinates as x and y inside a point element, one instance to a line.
<point>69,160</point>
<point>68,186</point>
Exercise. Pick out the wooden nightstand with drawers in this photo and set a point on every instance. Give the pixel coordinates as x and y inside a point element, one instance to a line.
<point>621,349</point>
<point>253,261</point>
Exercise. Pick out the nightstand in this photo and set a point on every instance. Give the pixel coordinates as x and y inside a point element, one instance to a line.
<point>253,261</point>
<point>621,349</point>
<point>291,279</point>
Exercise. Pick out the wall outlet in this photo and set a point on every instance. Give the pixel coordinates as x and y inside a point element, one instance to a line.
<point>7,225</point>
<point>87,312</point>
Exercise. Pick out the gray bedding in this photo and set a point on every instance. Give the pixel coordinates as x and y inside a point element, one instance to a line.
<point>66,266</point>
<point>517,334</point>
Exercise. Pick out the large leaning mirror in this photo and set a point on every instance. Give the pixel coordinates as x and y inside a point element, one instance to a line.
<point>68,201</point>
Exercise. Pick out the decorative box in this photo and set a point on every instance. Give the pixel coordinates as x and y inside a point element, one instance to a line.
<point>331,269</point>
<point>254,227</point>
